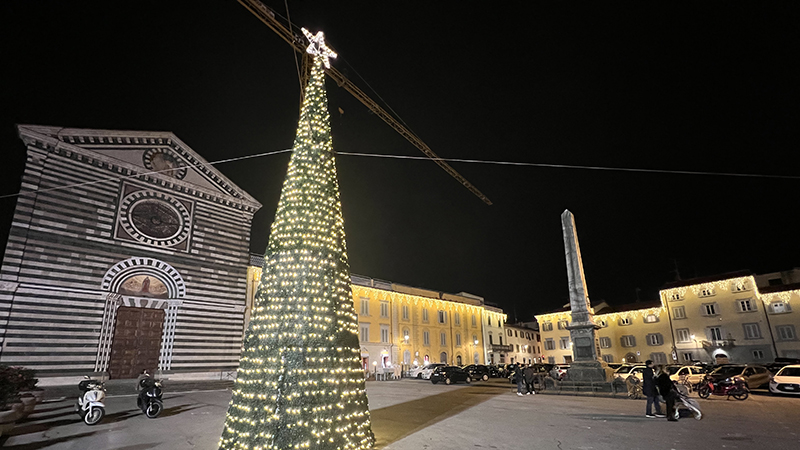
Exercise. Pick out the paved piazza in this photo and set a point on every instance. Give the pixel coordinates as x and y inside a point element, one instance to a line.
<point>412,414</point>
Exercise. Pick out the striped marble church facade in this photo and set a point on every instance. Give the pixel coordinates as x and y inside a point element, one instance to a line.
<point>127,251</point>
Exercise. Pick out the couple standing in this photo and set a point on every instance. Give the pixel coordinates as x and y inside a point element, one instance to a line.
<point>655,382</point>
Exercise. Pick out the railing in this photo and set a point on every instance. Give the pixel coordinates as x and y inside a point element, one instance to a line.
<point>502,348</point>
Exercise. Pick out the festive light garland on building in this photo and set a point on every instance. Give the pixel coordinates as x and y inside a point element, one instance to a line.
<point>300,382</point>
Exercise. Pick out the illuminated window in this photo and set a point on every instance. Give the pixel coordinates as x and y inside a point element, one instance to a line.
<point>651,318</point>
<point>364,306</point>
<point>779,307</point>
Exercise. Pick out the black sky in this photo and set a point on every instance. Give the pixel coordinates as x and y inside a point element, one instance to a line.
<point>699,86</point>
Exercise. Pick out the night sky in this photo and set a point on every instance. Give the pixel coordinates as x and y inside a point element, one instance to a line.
<point>694,86</point>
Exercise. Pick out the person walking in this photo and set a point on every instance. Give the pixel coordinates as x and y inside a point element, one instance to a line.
<point>665,387</point>
<point>649,390</point>
<point>529,374</point>
<point>519,378</point>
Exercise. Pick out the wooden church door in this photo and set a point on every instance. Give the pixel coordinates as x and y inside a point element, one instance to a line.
<point>137,342</point>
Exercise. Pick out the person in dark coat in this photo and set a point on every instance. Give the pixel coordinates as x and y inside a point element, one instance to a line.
<point>519,378</point>
<point>529,373</point>
<point>650,392</point>
<point>665,386</point>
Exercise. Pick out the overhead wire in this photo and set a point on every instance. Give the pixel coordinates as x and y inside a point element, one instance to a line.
<point>425,158</point>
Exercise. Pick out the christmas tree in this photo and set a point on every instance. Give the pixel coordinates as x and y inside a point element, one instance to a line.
<point>300,383</point>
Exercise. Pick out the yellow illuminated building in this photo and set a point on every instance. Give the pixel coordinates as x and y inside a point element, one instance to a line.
<point>407,326</point>
<point>722,318</point>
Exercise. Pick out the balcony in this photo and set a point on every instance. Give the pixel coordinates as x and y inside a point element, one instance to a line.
<point>502,348</point>
<point>722,343</point>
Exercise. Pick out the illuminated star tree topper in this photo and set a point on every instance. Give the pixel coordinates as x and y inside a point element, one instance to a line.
<point>317,47</point>
<point>300,383</point>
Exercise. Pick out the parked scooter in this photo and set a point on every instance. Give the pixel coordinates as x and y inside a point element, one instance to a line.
<point>149,399</point>
<point>732,387</point>
<point>90,402</point>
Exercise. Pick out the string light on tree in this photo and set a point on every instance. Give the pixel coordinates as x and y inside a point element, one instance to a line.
<point>300,382</point>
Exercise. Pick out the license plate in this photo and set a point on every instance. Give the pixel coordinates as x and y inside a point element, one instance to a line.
<point>789,388</point>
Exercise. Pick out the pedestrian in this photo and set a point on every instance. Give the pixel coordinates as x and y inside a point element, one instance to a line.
<point>529,374</point>
<point>649,390</point>
<point>519,378</point>
<point>665,387</point>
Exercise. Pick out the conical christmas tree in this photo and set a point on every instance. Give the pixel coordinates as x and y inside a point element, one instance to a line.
<point>300,382</point>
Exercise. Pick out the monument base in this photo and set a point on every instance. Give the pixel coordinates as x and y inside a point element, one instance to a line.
<point>589,371</point>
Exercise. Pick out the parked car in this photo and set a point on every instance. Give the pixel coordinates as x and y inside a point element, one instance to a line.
<point>450,375</point>
<point>478,371</point>
<point>494,371</point>
<point>754,376</point>
<point>786,381</point>
<point>615,366</point>
<point>416,371</point>
<point>627,370</point>
<point>426,373</point>
<point>780,363</point>
<point>686,374</point>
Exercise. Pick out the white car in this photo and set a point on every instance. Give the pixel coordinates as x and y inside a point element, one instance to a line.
<point>786,381</point>
<point>426,371</point>
<point>627,370</point>
<point>690,374</point>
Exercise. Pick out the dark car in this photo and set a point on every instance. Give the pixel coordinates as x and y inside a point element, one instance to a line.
<point>754,376</point>
<point>494,371</point>
<point>478,371</point>
<point>450,375</point>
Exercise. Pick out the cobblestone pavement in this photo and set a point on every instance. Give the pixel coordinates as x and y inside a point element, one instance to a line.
<point>414,414</point>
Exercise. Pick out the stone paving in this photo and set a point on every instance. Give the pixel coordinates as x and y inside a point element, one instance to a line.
<point>414,414</point>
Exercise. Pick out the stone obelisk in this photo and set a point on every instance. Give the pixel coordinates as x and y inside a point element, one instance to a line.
<point>586,364</point>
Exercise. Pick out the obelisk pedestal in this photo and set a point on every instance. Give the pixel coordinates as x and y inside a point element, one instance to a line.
<point>586,363</point>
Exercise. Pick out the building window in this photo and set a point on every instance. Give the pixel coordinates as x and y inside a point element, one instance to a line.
<point>442,317</point>
<point>747,305</point>
<point>625,321</point>
<point>501,340</point>
<point>457,318</point>
<point>426,338</point>
<point>424,314</point>
<point>758,354</point>
<point>547,326</point>
<point>405,312</point>
<point>528,336</point>
<point>786,333</point>
<point>443,357</point>
<point>779,307</point>
<point>739,286</point>
<point>538,337</point>
<point>517,348</point>
<point>564,343</point>
<point>602,323</point>
<point>530,348</point>
<point>458,360</point>
<point>655,339</point>
<point>605,342</point>
<point>474,322</point>
<point>608,358</point>
<point>384,309</point>
<point>709,309</point>
<point>683,335</point>
<point>458,339</point>
<point>658,357</point>
<point>687,357</point>
<point>384,334</point>
<point>752,331</point>
<point>406,335</point>
<point>509,333</point>
<point>707,292</point>
<point>443,339</point>
<point>549,344</point>
<point>491,341</point>
<point>364,306</point>
<point>364,332</point>
<point>562,324</point>
<point>715,334</point>
<point>676,296</point>
<point>628,341</point>
<point>515,333</point>
<point>651,318</point>
<point>679,312</point>
<point>407,357</point>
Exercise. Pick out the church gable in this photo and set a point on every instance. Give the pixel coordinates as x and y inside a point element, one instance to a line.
<point>157,154</point>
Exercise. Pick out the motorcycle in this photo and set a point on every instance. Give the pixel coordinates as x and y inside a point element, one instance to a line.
<point>732,387</point>
<point>90,404</point>
<point>149,399</point>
